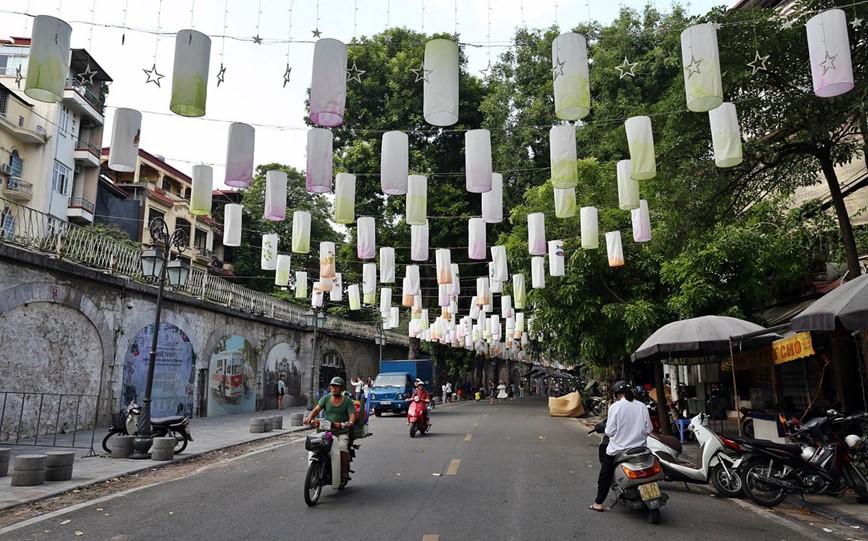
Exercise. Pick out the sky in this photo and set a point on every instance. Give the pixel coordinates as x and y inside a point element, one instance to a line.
<point>253,90</point>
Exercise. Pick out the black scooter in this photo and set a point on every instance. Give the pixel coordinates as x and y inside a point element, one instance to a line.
<point>126,424</point>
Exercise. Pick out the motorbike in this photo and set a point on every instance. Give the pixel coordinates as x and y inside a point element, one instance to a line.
<point>594,406</point>
<point>819,462</point>
<point>126,423</point>
<point>319,470</point>
<point>636,481</point>
<point>417,416</point>
<point>719,457</point>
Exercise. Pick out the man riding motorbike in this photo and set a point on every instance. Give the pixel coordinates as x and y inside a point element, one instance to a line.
<point>339,409</point>
<point>424,397</point>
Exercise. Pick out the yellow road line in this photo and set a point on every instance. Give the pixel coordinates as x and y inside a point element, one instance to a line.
<point>453,466</point>
<point>475,424</point>
<point>431,537</point>
<point>468,437</point>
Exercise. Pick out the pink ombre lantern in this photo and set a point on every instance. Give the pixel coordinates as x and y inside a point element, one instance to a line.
<point>239,155</point>
<point>641,222</point>
<point>328,88</point>
<point>492,201</point>
<point>498,259</point>
<point>477,155</point>
<point>829,51</point>
<point>536,233</point>
<point>476,238</point>
<point>319,160</point>
<point>275,196</point>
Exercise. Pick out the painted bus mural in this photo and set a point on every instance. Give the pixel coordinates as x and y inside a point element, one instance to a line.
<point>232,370</point>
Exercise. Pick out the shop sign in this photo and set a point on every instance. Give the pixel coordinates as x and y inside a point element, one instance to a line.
<point>792,348</point>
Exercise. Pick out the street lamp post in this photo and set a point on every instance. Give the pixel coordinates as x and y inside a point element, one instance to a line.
<point>380,337</point>
<point>157,263</point>
<point>313,318</point>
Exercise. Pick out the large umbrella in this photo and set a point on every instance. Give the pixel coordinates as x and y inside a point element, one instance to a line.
<point>845,306</point>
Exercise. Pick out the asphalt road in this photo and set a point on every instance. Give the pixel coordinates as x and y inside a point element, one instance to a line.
<point>503,471</point>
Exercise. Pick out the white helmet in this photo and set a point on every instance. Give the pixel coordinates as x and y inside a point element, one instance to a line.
<point>853,441</point>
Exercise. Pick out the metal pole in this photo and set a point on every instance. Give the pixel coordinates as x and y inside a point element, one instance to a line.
<point>311,402</point>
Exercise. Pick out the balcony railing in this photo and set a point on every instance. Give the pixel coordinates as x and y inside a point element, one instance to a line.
<point>19,189</point>
<point>90,147</point>
<point>82,203</point>
<point>84,92</point>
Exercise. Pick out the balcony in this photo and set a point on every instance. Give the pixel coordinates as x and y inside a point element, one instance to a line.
<point>202,256</point>
<point>18,124</point>
<point>80,210</point>
<point>80,99</point>
<point>87,153</point>
<point>17,189</point>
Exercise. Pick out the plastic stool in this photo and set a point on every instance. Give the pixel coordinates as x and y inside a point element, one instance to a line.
<point>682,424</point>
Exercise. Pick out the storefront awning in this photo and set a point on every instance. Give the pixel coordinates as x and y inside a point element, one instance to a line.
<point>792,347</point>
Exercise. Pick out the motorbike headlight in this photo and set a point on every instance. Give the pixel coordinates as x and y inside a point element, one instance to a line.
<point>808,453</point>
<point>854,441</point>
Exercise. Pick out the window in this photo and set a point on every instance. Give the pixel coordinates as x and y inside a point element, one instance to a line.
<point>183,225</point>
<point>154,213</point>
<point>4,101</point>
<point>200,241</point>
<point>62,180</point>
<point>63,121</point>
<point>16,164</point>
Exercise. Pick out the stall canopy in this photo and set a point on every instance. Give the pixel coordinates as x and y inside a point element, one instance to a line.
<point>844,307</point>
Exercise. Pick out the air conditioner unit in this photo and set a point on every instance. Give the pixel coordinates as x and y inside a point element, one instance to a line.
<point>5,168</point>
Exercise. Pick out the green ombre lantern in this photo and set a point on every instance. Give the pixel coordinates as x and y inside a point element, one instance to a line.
<point>190,73</point>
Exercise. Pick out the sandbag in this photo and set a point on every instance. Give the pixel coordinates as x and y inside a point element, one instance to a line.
<point>569,405</point>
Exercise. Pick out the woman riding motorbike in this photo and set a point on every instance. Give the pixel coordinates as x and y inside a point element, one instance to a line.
<point>423,395</point>
<point>339,409</point>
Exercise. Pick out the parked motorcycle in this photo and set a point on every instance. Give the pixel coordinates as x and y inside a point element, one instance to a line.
<point>319,446</point>
<point>417,416</point>
<point>719,458</point>
<point>127,423</point>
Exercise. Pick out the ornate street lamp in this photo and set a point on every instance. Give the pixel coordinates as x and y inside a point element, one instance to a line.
<point>157,263</point>
<point>313,318</point>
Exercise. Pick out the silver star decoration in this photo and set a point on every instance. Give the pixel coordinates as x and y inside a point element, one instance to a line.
<point>87,75</point>
<point>153,75</point>
<point>558,67</point>
<point>758,63</point>
<point>354,73</point>
<point>286,75</point>
<point>18,76</point>
<point>387,39</point>
<point>485,71</point>
<point>257,40</point>
<point>626,69</point>
<point>828,63</point>
<point>693,67</point>
<point>221,75</point>
<point>421,73</point>
<point>856,22</point>
<point>316,33</point>
<point>788,24</point>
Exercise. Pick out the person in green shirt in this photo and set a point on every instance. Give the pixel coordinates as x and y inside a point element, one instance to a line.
<point>339,409</point>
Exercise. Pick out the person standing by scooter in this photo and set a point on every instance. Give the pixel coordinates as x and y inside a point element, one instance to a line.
<point>339,409</point>
<point>627,425</point>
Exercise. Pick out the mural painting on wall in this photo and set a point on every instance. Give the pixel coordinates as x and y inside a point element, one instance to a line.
<point>232,377</point>
<point>174,371</point>
<point>282,360</point>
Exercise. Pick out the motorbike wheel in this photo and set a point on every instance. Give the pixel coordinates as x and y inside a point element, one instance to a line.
<point>105,441</point>
<point>856,480</point>
<point>412,430</point>
<point>747,427</point>
<point>313,483</point>
<point>726,484</point>
<point>759,492</point>
<point>654,516</point>
<point>181,441</point>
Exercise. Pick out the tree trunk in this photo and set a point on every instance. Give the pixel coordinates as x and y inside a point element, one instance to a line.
<point>414,349</point>
<point>847,239</point>
<point>662,407</point>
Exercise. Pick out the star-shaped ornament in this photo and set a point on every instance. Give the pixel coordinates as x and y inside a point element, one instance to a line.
<point>626,69</point>
<point>485,70</point>
<point>18,76</point>
<point>354,73</point>
<point>788,24</point>
<point>388,39</point>
<point>828,63</point>
<point>856,22</point>
<point>558,67</point>
<point>421,73</point>
<point>316,33</point>
<point>86,77</point>
<point>153,75</point>
<point>758,63</point>
<point>257,40</point>
<point>693,67</point>
<point>286,75</point>
<point>221,75</point>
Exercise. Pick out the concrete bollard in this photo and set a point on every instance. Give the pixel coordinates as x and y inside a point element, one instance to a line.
<point>296,419</point>
<point>269,425</point>
<point>4,461</point>
<point>277,422</point>
<point>257,425</point>
<point>121,446</point>
<point>29,470</point>
<point>163,448</point>
<point>59,465</point>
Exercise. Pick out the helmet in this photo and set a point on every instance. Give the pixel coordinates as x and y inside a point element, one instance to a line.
<point>853,441</point>
<point>620,387</point>
<point>418,382</point>
<point>337,381</point>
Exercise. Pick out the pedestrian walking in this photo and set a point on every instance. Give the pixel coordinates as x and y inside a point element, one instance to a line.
<point>281,390</point>
<point>501,392</point>
<point>357,387</point>
<point>448,391</point>
<point>514,391</point>
<point>443,395</point>
<point>491,392</point>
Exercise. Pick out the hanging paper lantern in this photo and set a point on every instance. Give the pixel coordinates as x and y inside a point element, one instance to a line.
<point>394,317</point>
<point>443,295</point>
<point>613,246</point>
<point>416,311</point>
<point>417,199</point>
<point>536,233</point>
<point>496,285</point>
<point>556,257</point>
<point>641,222</point>
<point>476,238</point>
<point>564,165</point>
<point>474,306</point>
<point>407,297</point>
<point>281,277</point>
<point>319,160</point>
<point>494,327</point>
<point>519,293</point>
<point>300,284</point>
<point>324,285</point>
<point>455,286</point>
<point>537,272</point>
<point>353,294</point>
<point>232,225</point>
<point>483,291</point>
<point>565,203</point>
<point>424,320</point>
<point>300,232</point>
<point>275,196</point>
<point>328,85</point>
<point>48,60</point>
<point>316,295</point>
<point>628,189</point>
<point>701,65</point>
<point>519,322</point>
<point>190,73</point>
<point>725,135</point>
<point>337,292</point>
<point>444,266</point>
<point>239,155</point>
<point>571,82</point>
<point>440,72</point>
<point>201,191</point>
<point>411,272</point>
<point>829,51</point>
<point>419,242</point>
<point>492,201</point>
<point>387,265</point>
<point>345,198</point>
<point>385,301</point>
<point>326,259</point>
<point>366,238</point>
<point>590,237</point>
<point>369,283</point>
<point>268,259</point>
<point>394,163</point>
<point>477,159</point>
<point>498,258</point>
<point>640,139</point>
<point>506,306</point>
<point>126,129</point>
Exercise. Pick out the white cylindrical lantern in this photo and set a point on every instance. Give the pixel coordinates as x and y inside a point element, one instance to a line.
<point>326,260</point>
<point>641,222</point>
<point>387,265</point>
<point>281,277</point>
<point>492,201</point>
<point>476,238</point>
<point>477,160</point>
<point>369,283</point>
<point>416,310</point>
<point>417,199</point>
<point>48,59</point>
<point>519,322</point>
<point>556,257</point>
<point>640,139</point>
<point>628,188</point>
<point>496,285</point>
<point>419,242</point>
<point>353,294</point>
<point>494,327</point>
<point>572,85</point>
<point>300,232</point>
<point>474,306</point>
<point>444,266</point>
<point>590,235</point>
<point>300,284</point>
<point>394,317</point>
<point>506,306</point>
<point>498,258</point>
<point>455,286</point>
<point>519,293</point>
<point>536,233</point>
<point>725,135</point>
<point>366,238</point>
<point>614,248</point>
<point>268,259</point>
<point>424,320</point>
<point>829,50</point>
<point>190,73</point>
<point>565,203</point>
<point>537,272</point>
<point>412,274</point>
<point>385,301</point>
<point>275,196</point>
<point>564,165</point>
<point>325,284</point>
<point>394,163</point>
<point>328,85</point>
<point>232,225</point>
<point>201,191</point>
<point>319,160</point>
<point>407,297</point>
<point>440,72</point>
<point>483,291</point>
<point>345,198</point>
<point>126,129</point>
<point>239,155</point>
<point>443,295</point>
<point>701,66</point>
<point>337,292</point>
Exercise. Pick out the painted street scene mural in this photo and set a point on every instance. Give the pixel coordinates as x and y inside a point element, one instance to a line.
<point>174,371</point>
<point>232,377</point>
<point>282,361</point>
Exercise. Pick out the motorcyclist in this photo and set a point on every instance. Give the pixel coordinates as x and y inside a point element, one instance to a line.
<point>423,396</point>
<point>339,408</point>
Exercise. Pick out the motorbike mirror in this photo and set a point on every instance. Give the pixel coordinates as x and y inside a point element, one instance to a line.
<point>831,413</point>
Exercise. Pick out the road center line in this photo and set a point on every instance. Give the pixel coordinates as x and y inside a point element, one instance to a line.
<point>468,437</point>
<point>453,466</point>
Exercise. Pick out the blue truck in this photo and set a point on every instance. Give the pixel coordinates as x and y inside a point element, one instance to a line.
<point>394,384</point>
